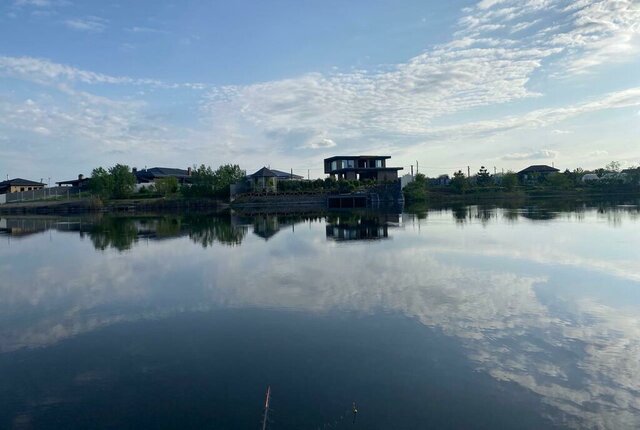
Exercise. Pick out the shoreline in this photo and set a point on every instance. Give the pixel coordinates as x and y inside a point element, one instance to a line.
<point>91,205</point>
<point>283,203</point>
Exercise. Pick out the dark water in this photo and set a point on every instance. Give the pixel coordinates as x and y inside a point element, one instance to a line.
<point>464,317</point>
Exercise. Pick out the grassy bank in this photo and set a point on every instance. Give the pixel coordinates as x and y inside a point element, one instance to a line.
<point>93,204</point>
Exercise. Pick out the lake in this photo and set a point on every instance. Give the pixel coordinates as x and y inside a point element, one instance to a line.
<point>524,316</point>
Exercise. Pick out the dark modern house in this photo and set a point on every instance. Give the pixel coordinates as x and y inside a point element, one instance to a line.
<point>149,176</point>
<point>535,172</point>
<point>81,183</point>
<point>18,185</point>
<point>361,167</point>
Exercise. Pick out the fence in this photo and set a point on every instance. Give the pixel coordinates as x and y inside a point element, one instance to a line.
<point>43,194</point>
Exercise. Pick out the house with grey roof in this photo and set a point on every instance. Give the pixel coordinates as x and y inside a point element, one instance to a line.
<point>17,185</point>
<point>264,180</point>
<point>149,176</point>
<point>536,172</point>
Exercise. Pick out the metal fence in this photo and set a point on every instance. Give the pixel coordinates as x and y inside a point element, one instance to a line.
<point>43,194</point>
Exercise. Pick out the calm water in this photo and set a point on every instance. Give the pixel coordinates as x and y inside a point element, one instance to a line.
<point>470,317</point>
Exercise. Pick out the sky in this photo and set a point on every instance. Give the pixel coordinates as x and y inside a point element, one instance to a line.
<point>286,83</point>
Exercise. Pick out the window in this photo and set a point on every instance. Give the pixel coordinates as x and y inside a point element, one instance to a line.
<point>349,163</point>
<point>334,165</point>
<point>21,189</point>
<point>378,163</point>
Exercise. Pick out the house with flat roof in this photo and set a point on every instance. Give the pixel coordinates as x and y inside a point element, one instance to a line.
<point>81,182</point>
<point>17,185</point>
<point>361,167</point>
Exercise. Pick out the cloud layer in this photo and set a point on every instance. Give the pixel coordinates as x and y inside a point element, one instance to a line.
<point>488,81</point>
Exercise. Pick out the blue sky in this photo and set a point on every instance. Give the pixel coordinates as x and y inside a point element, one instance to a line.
<point>503,83</point>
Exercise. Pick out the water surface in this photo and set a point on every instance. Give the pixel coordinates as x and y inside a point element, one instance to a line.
<point>464,317</point>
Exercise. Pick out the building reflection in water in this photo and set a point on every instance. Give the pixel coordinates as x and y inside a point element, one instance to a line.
<point>349,226</point>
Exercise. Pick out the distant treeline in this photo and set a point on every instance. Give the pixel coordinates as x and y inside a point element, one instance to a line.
<point>119,182</point>
<point>604,180</point>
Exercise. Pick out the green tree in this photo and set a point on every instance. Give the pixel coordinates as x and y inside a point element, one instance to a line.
<point>614,166</point>
<point>416,191</point>
<point>123,181</point>
<point>509,180</point>
<point>202,183</point>
<point>459,182</point>
<point>558,180</point>
<point>225,176</point>
<point>483,177</point>
<point>101,183</point>
<point>167,186</point>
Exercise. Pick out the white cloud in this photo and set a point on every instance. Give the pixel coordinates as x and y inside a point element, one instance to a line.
<point>535,155</point>
<point>149,30</point>
<point>396,106</point>
<point>91,24</point>
<point>41,3</point>
<point>597,153</point>
<point>43,71</point>
<point>558,131</point>
<point>321,144</point>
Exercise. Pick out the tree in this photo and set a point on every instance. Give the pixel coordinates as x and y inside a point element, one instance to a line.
<point>420,179</point>
<point>483,177</point>
<point>614,166</point>
<point>509,180</point>
<point>202,183</point>
<point>416,191</point>
<point>559,180</point>
<point>101,182</point>
<point>225,176</point>
<point>459,182</point>
<point>123,181</point>
<point>167,186</point>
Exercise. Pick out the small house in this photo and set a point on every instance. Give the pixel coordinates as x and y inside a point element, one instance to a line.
<point>264,180</point>
<point>81,183</point>
<point>536,172</point>
<point>19,185</point>
<point>149,176</point>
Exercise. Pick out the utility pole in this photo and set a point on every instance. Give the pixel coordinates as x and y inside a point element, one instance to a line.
<point>417,167</point>
<point>291,173</point>
<point>412,170</point>
<point>495,171</point>
<point>308,175</point>
<point>468,171</point>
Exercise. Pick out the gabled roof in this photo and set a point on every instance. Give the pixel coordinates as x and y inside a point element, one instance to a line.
<point>20,182</point>
<point>160,172</point>
<point>538,168</point>
<point>264,173</point>
<point>286,175</point>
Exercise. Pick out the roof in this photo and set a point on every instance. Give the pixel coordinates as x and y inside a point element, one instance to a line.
<point>355,157</point>
<point>74,181</point>
<point>538,168</point>
<point>162,172</point>
<point>264,173</point>
<point>285,175</point>
<point>19,182</point>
